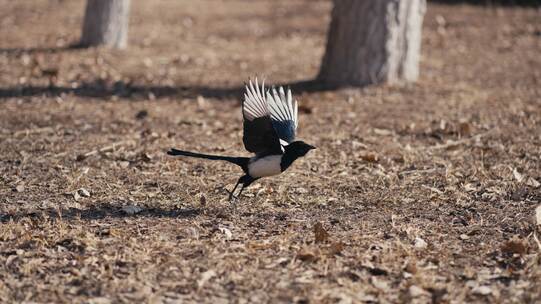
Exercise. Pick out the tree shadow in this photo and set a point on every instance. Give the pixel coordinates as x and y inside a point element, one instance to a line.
<point>101,89</point>
<point>531,3</point>
<point>103,211</point>
<point>31,50</point>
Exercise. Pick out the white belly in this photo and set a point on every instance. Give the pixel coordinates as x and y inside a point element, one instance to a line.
<point>266,166</point>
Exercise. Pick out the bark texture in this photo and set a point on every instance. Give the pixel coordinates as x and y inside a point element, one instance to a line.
<point>373,41</point>
<point>106,23</point>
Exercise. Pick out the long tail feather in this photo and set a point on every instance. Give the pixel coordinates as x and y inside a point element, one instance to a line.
<point>240,161</point>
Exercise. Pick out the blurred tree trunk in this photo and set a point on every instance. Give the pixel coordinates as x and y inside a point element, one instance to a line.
<point>106,23</point>
<point>373,41</point>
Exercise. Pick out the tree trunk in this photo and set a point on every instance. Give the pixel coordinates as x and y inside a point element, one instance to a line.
<point>373,41</point>
<point>106,23</point>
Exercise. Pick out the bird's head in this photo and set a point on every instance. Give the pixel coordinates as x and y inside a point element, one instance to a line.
<point>298,148</point>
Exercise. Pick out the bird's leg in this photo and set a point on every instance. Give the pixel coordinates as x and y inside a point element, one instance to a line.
<point>240,192</point>
<point>231,194</point>
<point>245,183</point>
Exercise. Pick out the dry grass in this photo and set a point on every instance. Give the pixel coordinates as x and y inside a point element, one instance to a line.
<point>422,193</point>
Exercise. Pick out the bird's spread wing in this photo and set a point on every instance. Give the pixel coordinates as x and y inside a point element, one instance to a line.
<point>254,104</point>
<point>270,119</point>
<point>260,136</point>
<point>283,111</point>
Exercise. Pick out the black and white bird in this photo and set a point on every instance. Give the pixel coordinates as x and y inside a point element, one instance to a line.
<point>270,123</point>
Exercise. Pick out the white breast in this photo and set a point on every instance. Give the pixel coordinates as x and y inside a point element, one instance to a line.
<point>266,166</point>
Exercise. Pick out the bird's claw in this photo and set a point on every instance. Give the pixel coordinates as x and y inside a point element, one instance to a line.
<point>232,197</point>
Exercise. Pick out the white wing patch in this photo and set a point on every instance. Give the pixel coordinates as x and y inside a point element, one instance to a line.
<point>279,105</point>
<point>254,104</point>
<point>282,107</point>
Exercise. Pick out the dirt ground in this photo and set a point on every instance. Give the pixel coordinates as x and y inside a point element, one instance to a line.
<point>416,193</point>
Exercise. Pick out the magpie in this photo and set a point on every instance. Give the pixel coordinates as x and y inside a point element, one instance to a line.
<point>270,120</point>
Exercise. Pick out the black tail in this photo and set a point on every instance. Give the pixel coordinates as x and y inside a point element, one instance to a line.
<point>240,161</point>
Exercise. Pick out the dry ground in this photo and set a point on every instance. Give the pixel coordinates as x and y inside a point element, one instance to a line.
<point>420,193</point>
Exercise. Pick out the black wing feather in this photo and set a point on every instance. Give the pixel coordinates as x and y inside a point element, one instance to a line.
<point>283,111</point>
<point>260,136</point>
<point>285,129</point>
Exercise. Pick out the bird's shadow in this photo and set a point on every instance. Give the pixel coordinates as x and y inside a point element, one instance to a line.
<point>100,212</point>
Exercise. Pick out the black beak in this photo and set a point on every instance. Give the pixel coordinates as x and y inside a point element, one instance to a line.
<point>311,147</point>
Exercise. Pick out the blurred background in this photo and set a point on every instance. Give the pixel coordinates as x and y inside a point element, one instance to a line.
<point>169,46</point>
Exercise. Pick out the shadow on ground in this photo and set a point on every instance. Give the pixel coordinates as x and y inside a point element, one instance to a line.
<point>100,89</point>
<point>491,2</point>
<point>102,212</point>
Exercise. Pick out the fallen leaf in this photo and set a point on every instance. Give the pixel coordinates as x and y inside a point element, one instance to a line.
<point>517,175</point>
<point>416,291</point>
<point>411,267</point>
<point>301,190</point>
<point>373,270</point>
<point>370,157</point>
<point>202,102</point>
<point>49,72</point>
<point>205,276</point>
<point>443,124</point>
<point>382,132</point>
<point>320,234</point>
<point>435,190</point>
<point>470,187</point>
<point>515,245</point>
<point>336,248</point>
<point>260,245</point>
<point>380,284</point>
<point>366,298</point>
<point>83,192</point>
<point>482,290</point>
<point>141,114</point>
<point>145,157</point>
<point>279,262</point>
<point>202,200</point>
<point>332,199</point>
<point>420,244</point>
<point>464,128</point>
<point>99,300</point>
<point>81,157</point>
<point>124,164</point>
<point>226,232</point>
<point>306,255</point>
<point>305,109</point>
<point>76,196</point>
<point>358,145</point>
<point>10,260</point>
<point>440,20</point>
<point>532,182</point>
